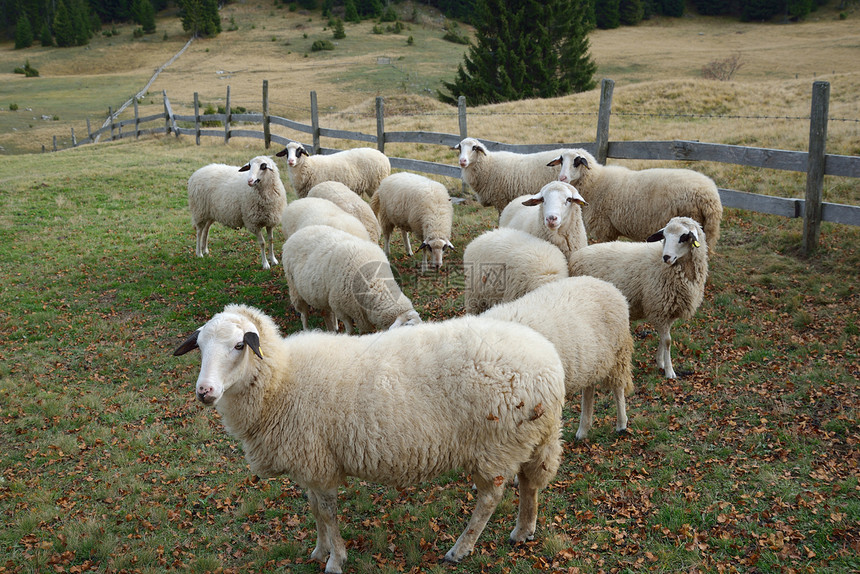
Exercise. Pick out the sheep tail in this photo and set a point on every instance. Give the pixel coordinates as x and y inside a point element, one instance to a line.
<point>546,459</point>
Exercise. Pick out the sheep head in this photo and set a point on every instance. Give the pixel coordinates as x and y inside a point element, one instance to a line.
<point>469,150</point>
<point>437,248</point>
<point>257,167</point>
<point>574,163</point>
<point>294,151</point>
<point>680,236</point>
<point>223,342</point>
<point>556,199</point>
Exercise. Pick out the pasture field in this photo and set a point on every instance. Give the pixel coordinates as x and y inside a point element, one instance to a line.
<point>748,463</point>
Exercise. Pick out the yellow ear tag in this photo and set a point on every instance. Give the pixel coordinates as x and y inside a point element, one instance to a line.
<point>695,243</point>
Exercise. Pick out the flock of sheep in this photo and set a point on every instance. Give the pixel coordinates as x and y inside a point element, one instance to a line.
<point>547,318</point>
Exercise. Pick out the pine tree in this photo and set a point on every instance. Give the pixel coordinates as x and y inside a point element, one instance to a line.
<point>631,12</point>
<point>200,17</point>
<point>338,31</point>
<point>45,36</point>
<point>143,13</point>
<point>606,13</point>
<point>531,49</point>
<point>351,14</point>
<point>79,10</point>
<point>23,32</point>
<point>64,26</point>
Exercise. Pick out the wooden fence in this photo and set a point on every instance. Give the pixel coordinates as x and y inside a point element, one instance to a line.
<point>815,162</point>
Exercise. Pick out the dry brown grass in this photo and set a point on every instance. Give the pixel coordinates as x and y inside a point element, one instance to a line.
<point>656,66</point>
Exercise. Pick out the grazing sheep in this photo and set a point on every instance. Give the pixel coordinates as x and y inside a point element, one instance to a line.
<point>498,177</point>
<point>557,220</point>
<point>661,283</point>
<point>504,264</point>
<point>396,408</point>
<point>218,192</point>
<point>315,211</point>
<point>347,200</point>
<point>588,322</point>
<point>629,203</point>
<point>359,169</point>
<point>346,278</point>
<point>418,204</point>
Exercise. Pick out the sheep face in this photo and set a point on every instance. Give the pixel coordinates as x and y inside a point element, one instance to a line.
<point>556,200</point>
<point>410,317</point>
<point>573,164</point>
<point>224,343</point>
<point>294,151</point>
<point>437,248</point>
<point>469,150</point>
<point>680,236</point>
<point>256,168</point>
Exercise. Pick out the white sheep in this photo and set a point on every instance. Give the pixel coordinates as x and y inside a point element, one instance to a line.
<point>218,192</point>
<point>504,264</point>
<point>397,408</point>
<point>661,283</point>
<point>588,322</point>
<point>498,177</point>
<point>417,204</point>
<point>557,219</point>
<point>316,211</point>
<point>347,200</point>
<point>346,278</point>
<point>360,169</point>
<point>630,203</point>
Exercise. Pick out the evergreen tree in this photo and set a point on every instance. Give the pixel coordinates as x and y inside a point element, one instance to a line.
<point>606,14</point>
<point>200,17</point>
<point>531,49</point>
<point>674,8</point>
<point>45,36</point>
<point>143,13</point>
<point>351,14</point>
<point>79,10</point>
<point>630,12</point>
<point>338,31</point>
<point>23,32</point>
<point>64,26</point>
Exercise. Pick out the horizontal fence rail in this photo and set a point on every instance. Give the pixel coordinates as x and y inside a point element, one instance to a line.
<point>813,162</point>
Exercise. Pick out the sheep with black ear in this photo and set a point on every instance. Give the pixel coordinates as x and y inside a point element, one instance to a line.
<point>397,408</point>
<point>417,204</point>
<point>499,177</point>
<point>347,200</point>
<point>588,322</point>
<point>360,169</point>
<point>222,193</point>
<point>553,214</point>
<point>662,283</point>
<point>504,264</point>
<point>632,204</point>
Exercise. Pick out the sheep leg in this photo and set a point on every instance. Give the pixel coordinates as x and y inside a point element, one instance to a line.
<point>620,409</point>
<point>330,320</point>
<point>586,415</point>
<point>424,261</point>
<point>386,243</point>
<point>270,237</point>
<point>203,239</point>
<point>527,518</point>
<point>406,242</point>
<point>262,243</point>
<point>329,542</point>
<point>488,497</point>
<point>347,325</point>
<point>664,350</point>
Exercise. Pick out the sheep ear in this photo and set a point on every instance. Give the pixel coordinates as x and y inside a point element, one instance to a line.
<point>533,201</point>
<point>449,245</point>
<point>302,151</point>
<point>423,246</point>
<point>580,161</point>
<point>555,162</point>
<point>692,235</point>
<point>282,153</point>
<point>253,340</point>
<point>481,149</point>
<point>456,147</point>
<point>189,345</point>
<point>245,167</point>
<point>655,237</point>
<point>264,166</point>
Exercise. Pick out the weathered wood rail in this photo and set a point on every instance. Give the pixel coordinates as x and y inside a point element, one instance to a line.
<point>815,162</point>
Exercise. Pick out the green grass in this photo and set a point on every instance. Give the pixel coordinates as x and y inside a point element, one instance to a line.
<point>109,464</point>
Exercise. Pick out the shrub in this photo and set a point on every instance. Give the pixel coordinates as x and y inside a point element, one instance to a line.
<point>28,71</point>
<point>389,15</point>
<point>320,45</point>
<point>410,40</point>
<point>138,32</point>
<point>455,35</point>
<point>722,70</point>
<point>338,31</point>
<point>13,107</point>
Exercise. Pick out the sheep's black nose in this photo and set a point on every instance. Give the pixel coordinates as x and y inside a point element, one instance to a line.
<point>666,258</point>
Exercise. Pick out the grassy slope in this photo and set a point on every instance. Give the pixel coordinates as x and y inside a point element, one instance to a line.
<point>108,464</point>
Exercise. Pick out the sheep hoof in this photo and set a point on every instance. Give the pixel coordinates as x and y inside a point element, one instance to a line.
<point>622,432</point>
<point>683,374</point>
<point>449,558</point>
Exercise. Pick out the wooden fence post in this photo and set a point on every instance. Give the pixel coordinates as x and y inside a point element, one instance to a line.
<point>267,131</point>
<point>815,165</point>
<point>315,123</point>
<point>110,118</point>
<point>602,141</point>
<point>196,118</point>
<point>166,112</point>
<point>461,116</point>
<point>227,118</point>
<point>74,140</point>
<point>89,131</point>
<point>136,120</point>
<point>55,143</point>
<point>380,124</point>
